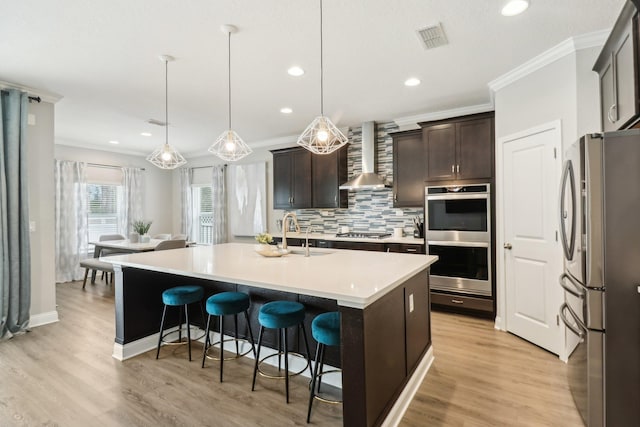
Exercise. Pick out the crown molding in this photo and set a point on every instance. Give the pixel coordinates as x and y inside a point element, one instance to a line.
<point>88,146</point>
<point>411,122</point>
<point>44,95</point>
<point>557,52</point>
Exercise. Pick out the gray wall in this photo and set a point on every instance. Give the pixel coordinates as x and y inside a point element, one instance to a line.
<point>41,212</point>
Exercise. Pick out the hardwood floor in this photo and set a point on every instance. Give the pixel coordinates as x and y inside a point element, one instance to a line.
<point>63,374</point>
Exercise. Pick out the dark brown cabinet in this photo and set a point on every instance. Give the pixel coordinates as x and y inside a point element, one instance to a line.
<point>304,180</point>
<point>291,178</point>
<point>408,169</point>
<point>361,246</point>
<point>328,172</point>
<point>417,320</point>
<point>408,248</point>
<point>616,67</point>
<point>460,148</point>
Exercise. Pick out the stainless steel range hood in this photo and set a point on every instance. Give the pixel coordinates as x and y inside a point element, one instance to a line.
<point>368,179</point>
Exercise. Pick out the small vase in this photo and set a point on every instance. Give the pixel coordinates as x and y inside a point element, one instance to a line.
<point>145,238</point>
<point>134,237</point>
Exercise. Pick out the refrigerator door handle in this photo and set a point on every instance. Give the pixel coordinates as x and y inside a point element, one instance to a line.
<point>566,322</point>
<point>575,289</point>
<point>568,241</point>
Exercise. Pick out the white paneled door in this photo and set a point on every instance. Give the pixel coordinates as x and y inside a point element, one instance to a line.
<point>532,256</point>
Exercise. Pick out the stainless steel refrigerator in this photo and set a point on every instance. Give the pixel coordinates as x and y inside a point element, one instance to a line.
<point>600,230</point>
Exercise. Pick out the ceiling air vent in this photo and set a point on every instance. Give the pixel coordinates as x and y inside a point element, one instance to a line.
<point>156,122</point>
<point>432,36</point>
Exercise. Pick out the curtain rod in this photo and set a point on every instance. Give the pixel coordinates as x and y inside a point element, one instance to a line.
<point>205,167</point>
<point>35,99</point>
<point>99,165</point>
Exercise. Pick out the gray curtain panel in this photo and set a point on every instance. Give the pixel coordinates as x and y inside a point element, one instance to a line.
<point>71,225</point>
<point>219,201</point>
<point>131,206</point>
<point>186,211</point>
<point>15,252</point>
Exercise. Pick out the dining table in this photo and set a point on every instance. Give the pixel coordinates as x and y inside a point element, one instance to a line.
<point>125,246</point>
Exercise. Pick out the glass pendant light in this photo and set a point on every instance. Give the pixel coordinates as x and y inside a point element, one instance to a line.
<point>322,136</point>
<point>229,146</point>
<point>165,156</point>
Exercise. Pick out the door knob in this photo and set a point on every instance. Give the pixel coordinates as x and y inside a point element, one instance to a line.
<point>507,246</point>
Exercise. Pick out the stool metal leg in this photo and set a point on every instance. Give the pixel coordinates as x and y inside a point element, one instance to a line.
<point>314,375</point>
<point>207,340</point>
<point>286,362</point>
<point>306,345</point>
<point>235,330</point>
<point>164,312</point>
<point>180,317</point>
<point>186,316</point>
<point>255,369</point>
<point>253,347</point>
<point>321,360</point>
<point>221,345</point>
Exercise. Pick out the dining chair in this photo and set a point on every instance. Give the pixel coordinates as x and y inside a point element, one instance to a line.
<point>171,244</point>
<point>106,252</point>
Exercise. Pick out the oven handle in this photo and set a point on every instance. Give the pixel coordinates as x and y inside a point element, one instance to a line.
<point>457,243</point>
<point>566,322</point>
<point>576,291</point>
<point>464,196</point>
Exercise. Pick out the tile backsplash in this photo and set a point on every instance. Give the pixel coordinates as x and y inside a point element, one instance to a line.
<point>369,210</point>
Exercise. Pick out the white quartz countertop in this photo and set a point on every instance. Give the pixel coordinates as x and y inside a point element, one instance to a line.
<point>321,236</point>
<point>353,278</point>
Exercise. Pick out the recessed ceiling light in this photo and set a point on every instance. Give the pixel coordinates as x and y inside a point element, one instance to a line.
<point>295,71</point>
<point>412,82</point>
<point>514,7</point>
<point>114,142</point>
<point>286,110</point>
<point>145,133</point>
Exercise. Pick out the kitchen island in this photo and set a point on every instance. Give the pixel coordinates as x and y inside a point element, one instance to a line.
<point>383,299</point>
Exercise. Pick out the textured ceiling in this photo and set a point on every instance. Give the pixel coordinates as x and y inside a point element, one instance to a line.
<point>101,57</point>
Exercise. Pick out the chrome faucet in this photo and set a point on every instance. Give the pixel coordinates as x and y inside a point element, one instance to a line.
<point>306,245</point>
<point>285,226</point>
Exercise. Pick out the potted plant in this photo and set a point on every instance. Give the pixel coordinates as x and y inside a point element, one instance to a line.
<point>140,228</point>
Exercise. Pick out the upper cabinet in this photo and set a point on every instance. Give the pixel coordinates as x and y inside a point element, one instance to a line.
<point>328,172</point>
<point>459,148</point>
<point>616,67</point>
<point>304,180</point>
<point>408,169</point>
<point>291,178</point>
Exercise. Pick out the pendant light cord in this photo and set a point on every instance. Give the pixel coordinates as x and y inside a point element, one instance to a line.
<point>229,76</point>
<point>166,102</point>
<point>321,67</point>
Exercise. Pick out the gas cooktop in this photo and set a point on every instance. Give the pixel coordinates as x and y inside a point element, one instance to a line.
<point>364,235</point>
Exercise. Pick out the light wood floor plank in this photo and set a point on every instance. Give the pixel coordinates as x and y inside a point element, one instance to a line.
<point>63,374</point>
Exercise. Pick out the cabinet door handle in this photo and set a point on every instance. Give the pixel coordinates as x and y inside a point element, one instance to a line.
<point>609,115</point>
<point>395,197</point>
<point>335,199</point>
<point>457,168</point>
<point>453,168</point>
<point>457,301</point>
<point>412,250</point>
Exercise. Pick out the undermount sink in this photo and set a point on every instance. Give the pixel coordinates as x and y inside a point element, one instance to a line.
<point>311,252</point>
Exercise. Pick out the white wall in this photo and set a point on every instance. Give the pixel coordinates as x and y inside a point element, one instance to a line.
<point>41,212</point>
<point>157,202</point>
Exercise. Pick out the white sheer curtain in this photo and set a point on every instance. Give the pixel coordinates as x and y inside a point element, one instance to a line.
<point>186,211</point>
<point>131,205</point>
<point>70,219</point>
<point>219,204</point>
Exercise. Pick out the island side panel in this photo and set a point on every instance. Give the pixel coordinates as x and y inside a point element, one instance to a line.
<point>376,363</point>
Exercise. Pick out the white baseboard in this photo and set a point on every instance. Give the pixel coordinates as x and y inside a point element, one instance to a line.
<point>43,318</point>
<point>410,389</point>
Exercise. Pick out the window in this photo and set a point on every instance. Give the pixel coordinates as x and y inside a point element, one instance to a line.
<point>104,201</point>
<point>202,214</point>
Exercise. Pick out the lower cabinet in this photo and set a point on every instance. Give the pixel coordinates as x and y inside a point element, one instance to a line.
<point>361,246</point>
<point>408,248</point>
<point>462,303</point>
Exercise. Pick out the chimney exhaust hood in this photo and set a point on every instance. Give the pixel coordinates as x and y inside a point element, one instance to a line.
<point>368,179</point>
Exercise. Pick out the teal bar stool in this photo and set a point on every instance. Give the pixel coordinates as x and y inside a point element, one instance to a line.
<point>325,329</point>
<point>281,315</point>
<point>225,304</point>
<point>179,296</point>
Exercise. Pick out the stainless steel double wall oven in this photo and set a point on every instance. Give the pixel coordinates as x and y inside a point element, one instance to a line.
<point>458,230</point>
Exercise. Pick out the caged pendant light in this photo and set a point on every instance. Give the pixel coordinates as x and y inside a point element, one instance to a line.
<point>229,146</point>
<point>165,156</point>
<point>322,136</point>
